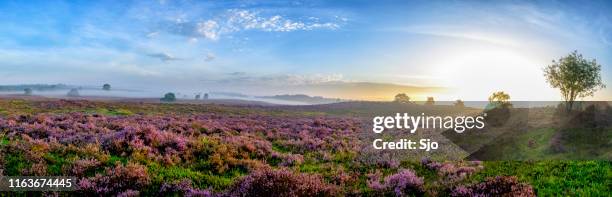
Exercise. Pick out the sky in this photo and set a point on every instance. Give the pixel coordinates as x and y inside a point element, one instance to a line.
<point>468,48</point>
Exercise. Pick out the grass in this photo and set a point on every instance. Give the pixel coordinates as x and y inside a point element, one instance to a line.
<point>561,173</point>
<point>574,178</point>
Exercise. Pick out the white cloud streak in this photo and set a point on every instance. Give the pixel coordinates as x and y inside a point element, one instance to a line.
<point>236,20</point>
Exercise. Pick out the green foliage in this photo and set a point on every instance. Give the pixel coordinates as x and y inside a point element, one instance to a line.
<point>499,97</point>
<point>574,178</point>
<point>114,112</point>
<point>161,174</point>
<point>574,76</point>
<point>106,87</point>
<point>55,163</point>
<point>169,97</point>
<point>14,163</point>
<point>216,157</point>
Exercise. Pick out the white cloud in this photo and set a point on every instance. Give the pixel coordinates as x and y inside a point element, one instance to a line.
<point>152,34</point>
<point>208,29</point>
<point>247,20</point>
<point>236,20</point>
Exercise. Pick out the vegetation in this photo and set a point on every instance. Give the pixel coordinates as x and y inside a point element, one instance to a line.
<point>116,148</point>
<point>169,97</point>
<point>430,101</point>
<point>402,98</point>
<point>459,104</point>
<point>73,93</point>
<point>27,91</point>
<point>575,77</point>
<point>106,87</point>
<point>499,99</point>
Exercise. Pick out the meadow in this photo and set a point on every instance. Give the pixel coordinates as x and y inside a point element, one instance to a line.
<point>149,149</point>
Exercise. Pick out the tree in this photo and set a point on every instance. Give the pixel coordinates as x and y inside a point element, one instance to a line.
<point>499,96</point>
<point>169,97</point>
<point>197,97</point>
<point>459,103</point>
<point>402,98</point>
<point>574,76</point>
<point>430,101</point>
<point>205,96</point>
<point>499,99</point>
<point>27,91</point>
<point>73,92</point>
<point>106,87</point>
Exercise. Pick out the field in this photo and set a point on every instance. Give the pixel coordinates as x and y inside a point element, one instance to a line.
<point>141,148</point>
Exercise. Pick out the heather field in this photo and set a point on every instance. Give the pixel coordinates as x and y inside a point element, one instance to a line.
<point>133,148</point>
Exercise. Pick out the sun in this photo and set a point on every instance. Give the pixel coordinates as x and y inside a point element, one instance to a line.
<point>473,73</point>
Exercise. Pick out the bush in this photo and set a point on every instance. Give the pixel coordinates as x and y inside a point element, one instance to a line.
<point>73,93</point>
<point>498,186</point>
<point>27,91</point>
<point>281,183</point>
<point>404,183</point>
<point>116,180</point>
<point>169,97</point>
<point>182,188</point>
<point>430,101</point>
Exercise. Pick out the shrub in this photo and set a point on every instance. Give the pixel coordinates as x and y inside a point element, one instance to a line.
<point>430,101</point>
<point>404,183</point>
<point>116,180</point>
<point>182,188</point>
<point>73,93</point>
<point>402,98</point>
<point>27,91</point>
<point>281,183</point>
<point>498,186</point>
<point>169,97</point>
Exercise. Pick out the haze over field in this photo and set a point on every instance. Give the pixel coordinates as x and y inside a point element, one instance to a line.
<point>365,50</point>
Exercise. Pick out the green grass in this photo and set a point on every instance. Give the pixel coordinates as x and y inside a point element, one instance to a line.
<point>55,163</point>
<point>112,112</point>
<point>205,180</point>
<point>14,163</point>
<point>553,177</point>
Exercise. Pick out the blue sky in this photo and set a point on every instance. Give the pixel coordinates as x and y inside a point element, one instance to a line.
<point>271,47</point>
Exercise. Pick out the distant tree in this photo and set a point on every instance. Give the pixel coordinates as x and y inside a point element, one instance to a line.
<point>106,86</point>
<point>169,97</point>
<point>197,97</point>
<point>430,101</point>
<point>27,91</point>
<point>499,99</point>
<point>459,103</point>
<point>205,96</point>
<point>402,98</point>
<point>73,92</point>
<point>575,77</point>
